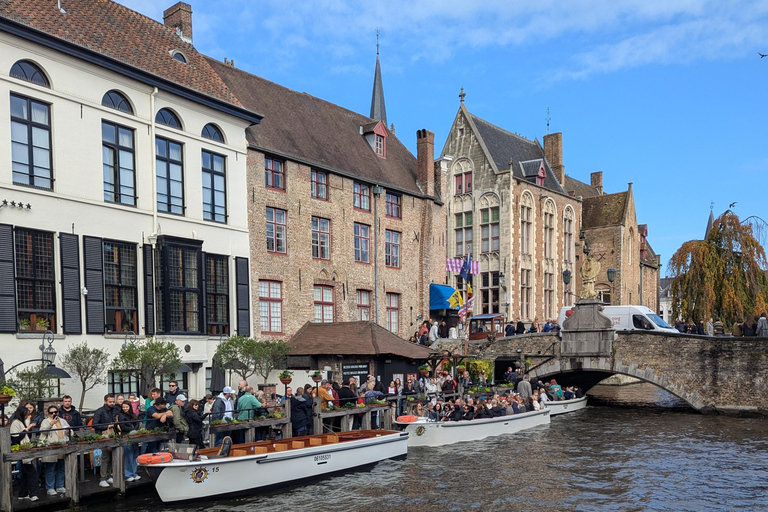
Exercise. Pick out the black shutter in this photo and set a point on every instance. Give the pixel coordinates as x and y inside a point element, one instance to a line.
<point>94,282</point>
<point>149,291</point>
<point>7,280</point>
<point>70,282</point>
<point>242,278</point>
<point>204,308</point>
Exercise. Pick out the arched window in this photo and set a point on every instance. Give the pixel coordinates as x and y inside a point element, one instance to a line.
<point>549,229</point>
<point>168,118</point>
<point>568,235</point>
<point>179,56</point>
<point>211,131</point>
<point>629,246</point>
<point>463,177</point>
<point>31,72</point>
<point>117,100</point>
<point>526,223</point>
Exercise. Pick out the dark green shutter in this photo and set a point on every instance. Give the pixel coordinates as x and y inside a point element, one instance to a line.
<point>242,278</point>
<point>7,280</point>
<point>94,282</point>
<point>70,282</point>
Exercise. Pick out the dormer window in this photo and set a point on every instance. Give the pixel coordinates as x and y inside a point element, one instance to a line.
<point>376,135</point>
<point>540,177</point>
<point>179,56</point>
<point>379,145</point>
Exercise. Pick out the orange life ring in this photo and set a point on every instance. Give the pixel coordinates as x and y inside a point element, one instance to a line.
<point>408,418</point>
<point>154,458</point>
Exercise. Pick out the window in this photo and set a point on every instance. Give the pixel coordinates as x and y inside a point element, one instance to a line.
<point>490,229</point>
<point>379,145</point>
<point>177,55</point>
<point>393,312</point>
<point>549,230</point>
<point>321,238</point>
<point>178,287</point>
<point>217,294</point>
<point>122,383</point>
<point>464,182</point>
<point>361,196</point>
<point>170,176</point>
<point>489,292</point>
<point>604,296</point>
<point>29,71</point>
<point>118,162</point>
<point>35,283</point>
<point>363,305</point>
<point>362,243</point>
<point>463,233</point>
<point>525,225</point>
<point>208,378</point>
<point>319,185</point>
<point>271,306</point>
<point>393,208</point>
<point>118,101</point>
<point>323,304</point>
<point>392,249</point>
<point>567,295</point>
<point>568,235</point>
<point>120,282</point>
<point>168,118</point>
<point>276,230</point>
<point>274,175</point>
<point>214,187</point>
<point>182,378</point>
<point>525,293</point>
<point>211,131</point>
<point>549,295</point>
<point>31,143</point>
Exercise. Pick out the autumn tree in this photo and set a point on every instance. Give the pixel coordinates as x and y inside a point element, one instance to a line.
<point>723,275</point>
<point>88,364</point>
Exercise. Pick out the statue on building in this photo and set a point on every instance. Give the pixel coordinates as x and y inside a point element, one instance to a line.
<point>589,272</point>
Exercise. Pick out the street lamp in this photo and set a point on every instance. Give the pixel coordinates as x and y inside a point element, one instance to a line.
<point>48,353</point>
<point>566,277</point>
<point>611,278</point>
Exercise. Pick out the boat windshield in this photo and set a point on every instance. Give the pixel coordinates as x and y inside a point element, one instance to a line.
<point>658,321</point>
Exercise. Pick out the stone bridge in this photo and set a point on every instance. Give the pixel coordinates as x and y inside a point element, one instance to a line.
<point>717,375</point>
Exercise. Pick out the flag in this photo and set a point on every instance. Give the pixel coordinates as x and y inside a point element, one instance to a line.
<point>466,268</point>
<point>463,313</point>
<point>470,299</point>
<point>455,264</point>
<point>455,299</point>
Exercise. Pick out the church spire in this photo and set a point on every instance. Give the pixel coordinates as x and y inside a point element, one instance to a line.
<point>710,221</point>
<point>378,109</point>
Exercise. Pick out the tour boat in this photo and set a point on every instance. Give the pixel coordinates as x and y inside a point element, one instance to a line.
<point>438,433</point>
<point>564,406</point>
<point>235,469</point>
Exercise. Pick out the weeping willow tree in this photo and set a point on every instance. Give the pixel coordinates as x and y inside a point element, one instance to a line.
<point>723,275</point>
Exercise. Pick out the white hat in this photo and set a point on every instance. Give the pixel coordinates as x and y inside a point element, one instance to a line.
<point>182,397</point>
<point>228,389</point>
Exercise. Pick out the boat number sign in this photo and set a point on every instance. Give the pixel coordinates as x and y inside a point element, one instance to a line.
<point>322,459</point>
<point>199,475</point>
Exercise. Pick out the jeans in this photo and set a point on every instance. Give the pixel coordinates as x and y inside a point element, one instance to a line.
<point>54,474</point>
<point>220,437</point>
<point>105,470</point>
<point>29,480</point>
<point>130,452</point>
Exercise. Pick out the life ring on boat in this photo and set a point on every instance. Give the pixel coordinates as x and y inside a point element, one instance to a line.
<point>408,418</point>
<point>154,458</point>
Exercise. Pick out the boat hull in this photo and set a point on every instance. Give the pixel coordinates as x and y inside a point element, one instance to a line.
<point>566,406</point>
<point>449,432</point>
<point>185,480</point>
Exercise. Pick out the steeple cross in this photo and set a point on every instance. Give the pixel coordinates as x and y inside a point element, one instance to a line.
<point>462,95</point>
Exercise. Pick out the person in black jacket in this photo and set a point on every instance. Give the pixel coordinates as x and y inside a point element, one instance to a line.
<point>125,422</point>
<point>103,419</point>
<point>71,415</point>
<point>301,412</point>
<point>195,421</point>
<point>520,327</point>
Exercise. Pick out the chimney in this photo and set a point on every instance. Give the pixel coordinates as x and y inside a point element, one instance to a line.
<point>179,18</point>
<point>596,180</point>
<point>425,157</point>
<point>553,152</point>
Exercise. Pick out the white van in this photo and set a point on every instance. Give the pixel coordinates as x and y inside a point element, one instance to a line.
<point>630,318</point>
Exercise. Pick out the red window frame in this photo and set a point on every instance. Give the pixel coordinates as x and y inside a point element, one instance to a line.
<point>275,224</point>
<point>393,311</point>
<point>359,239</point>
<point>392,254</point>
<point>364,306</point>
<point>274,169</point>
<point>360,192</point>
<point>322,303</point>
<point>319,185</point>
<point>319,234</point>
<point>394,206</point>
<point>269,299</point>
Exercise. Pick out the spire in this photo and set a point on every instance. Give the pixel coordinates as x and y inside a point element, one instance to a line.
<point>711,221</point>
<point>378,109</point>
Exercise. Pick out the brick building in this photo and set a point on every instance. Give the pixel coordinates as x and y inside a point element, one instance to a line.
<point>346,224</point>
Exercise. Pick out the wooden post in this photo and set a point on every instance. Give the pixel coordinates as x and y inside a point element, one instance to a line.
<point>70,477</point>
<point>387,423</point>
<point>118,473</point>
<point>318,422</point>
<point>365,424</point>
<point>6,487</point>
<point>288,427</point>
<point>250,435</point>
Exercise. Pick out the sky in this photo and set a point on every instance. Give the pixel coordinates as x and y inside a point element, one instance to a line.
<point>666,94</point>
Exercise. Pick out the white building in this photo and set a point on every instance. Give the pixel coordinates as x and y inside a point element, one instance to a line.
<point>122,179</point>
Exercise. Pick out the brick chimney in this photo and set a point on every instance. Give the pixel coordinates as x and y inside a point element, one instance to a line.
<point>425,158</point>
<point>553,152</point>
<point>596,180</point>
<point>179,18</point>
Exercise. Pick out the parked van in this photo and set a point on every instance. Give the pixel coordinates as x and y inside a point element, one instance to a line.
<point>630,318</point>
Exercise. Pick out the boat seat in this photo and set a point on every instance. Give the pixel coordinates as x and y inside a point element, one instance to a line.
<point>226,446</point>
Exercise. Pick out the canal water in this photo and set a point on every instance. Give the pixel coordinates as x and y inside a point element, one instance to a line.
<point>604,458</point>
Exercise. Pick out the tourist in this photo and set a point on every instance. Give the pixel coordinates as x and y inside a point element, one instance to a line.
<point>392,389</point>
<point>241,390</point>
<point>158,416</point>
<point>482,381</point>
<point>246,408</point>
<point>154,394</point>
<point>555,328</point>
<point>690,327</point>
<point>125,422</point>
<point>568,394</point>
<point>434,333</point>
<point>547,325</point>
<point>710,328</point>
<point>69,414</point>
<point>431,413</point>
<point>371,394</point>
<point>524,387</point>
<point>36,419</point>
<point>469,413</point>
<point>496,410</point>
<point>543,396</point>
<point>718,327</point>
<point>301,412</point>
<point>209,399</point>
<point>119,399</point>
<point>534,326</point>
<point>535,400</point>
<point>195,421</point>
<point>103,420</point>
<point>442,330</point>
<point>749,328</point>
<point>21,426</point>
<point>173,392</point>
<point>223,409</point>
<point>347,398</point>
<point>680,326</point>
<point>700,329</point>
<point>762,326</point>
<point>135,404</point>
<point>578,392</point>
<point>736,328</point>
<point>179,419</point>
<point>556,389</point>
<point>54,430</point>
<point>453,332</point>
<point>509,330</point>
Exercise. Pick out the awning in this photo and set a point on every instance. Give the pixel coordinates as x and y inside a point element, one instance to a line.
<point>438,296</point>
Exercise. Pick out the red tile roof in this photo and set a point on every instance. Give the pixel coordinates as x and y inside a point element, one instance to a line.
<point>112,30</point>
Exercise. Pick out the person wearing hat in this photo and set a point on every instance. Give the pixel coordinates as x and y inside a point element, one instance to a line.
<point>179,419</point>
<point>223,408</point>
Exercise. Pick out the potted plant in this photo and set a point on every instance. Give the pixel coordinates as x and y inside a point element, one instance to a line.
<point>316,376</point>
<point>42,324</point>
<point>285,377</point>
<point>6,393</point>
<point>23,324</point>
<point>424,369</point>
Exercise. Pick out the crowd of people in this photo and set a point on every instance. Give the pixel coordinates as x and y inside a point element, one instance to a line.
<point>432,330</point>
<point>751,325</point>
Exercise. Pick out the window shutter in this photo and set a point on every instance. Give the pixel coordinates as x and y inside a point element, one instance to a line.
<point>242,277</point>
<point>70,282</point>
<point>94,282</point>
<point>149,291</point>
<point>7,280</point>
<point>204,308</point>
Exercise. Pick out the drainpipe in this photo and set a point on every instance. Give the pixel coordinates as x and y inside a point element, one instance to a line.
<point>377,191</point>
<point>152,164</point>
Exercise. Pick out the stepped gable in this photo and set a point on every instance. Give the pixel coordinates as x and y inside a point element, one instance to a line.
<point>302,127</point>
<point>114,31</point>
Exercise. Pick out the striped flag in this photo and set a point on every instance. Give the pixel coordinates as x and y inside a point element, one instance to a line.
<point>455,264</point>
<point>470,299</point>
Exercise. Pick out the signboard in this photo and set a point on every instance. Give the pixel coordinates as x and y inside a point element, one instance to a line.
<point>358,370</point>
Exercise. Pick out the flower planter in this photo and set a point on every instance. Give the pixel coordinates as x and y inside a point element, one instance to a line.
<point>286,380</point>
<point>317,379</point>
<point>4,399</point>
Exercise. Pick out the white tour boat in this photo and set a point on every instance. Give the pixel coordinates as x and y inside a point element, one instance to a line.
<point>233,469</point>
<point>434,433</point>
<point>564,406</point>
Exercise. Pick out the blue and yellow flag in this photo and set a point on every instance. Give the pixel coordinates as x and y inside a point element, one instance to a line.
<point>455,299</point>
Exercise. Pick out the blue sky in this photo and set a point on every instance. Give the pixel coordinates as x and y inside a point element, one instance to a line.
<point>667,95</point>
